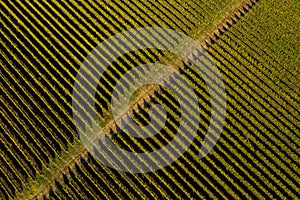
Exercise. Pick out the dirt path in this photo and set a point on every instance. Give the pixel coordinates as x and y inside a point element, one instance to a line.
<point>61,165</point>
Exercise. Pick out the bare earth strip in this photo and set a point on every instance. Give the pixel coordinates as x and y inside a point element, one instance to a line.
<point>60,166</point>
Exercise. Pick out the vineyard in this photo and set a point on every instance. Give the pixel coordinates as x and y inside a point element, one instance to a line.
<point>253,43</point>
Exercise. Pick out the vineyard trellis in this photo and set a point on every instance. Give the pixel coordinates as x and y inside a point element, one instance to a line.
<point>253,43</point>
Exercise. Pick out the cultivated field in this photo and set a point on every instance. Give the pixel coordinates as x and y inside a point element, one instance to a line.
<point>254,44</point>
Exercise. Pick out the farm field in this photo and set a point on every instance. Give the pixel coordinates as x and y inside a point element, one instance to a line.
<point>253,43</point>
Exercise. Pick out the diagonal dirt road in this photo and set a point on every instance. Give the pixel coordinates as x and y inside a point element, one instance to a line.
<point>77,151</point>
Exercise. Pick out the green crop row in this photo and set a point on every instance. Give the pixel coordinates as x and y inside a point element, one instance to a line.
<point>264,109</point>
<point>260,127</point>
<point>263,92</point>
<point>36,70</point>
<point>49,40</point>
<point>256,50</point>
<point>267,50</point>
<point>30,108</point>
<point>18,107</point>
<point>273,30</point>
<point>232,128</point>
